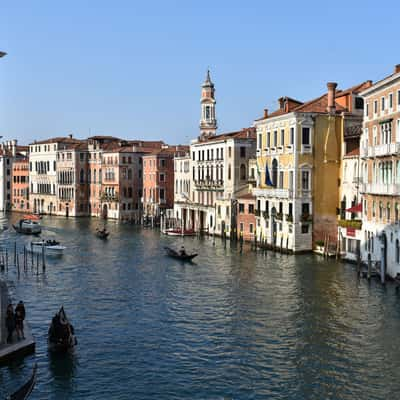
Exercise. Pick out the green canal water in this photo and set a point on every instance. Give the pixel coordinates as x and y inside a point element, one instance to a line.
<point>229,326</point>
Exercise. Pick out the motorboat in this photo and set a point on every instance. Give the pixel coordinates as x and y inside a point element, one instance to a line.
<point>28,227</point>
<point>179,255</point>
<point>179,232</point>
<point>61,335</point>
<point>51,247</point>
<point>26,389</point>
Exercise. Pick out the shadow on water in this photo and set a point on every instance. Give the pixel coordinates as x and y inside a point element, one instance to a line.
<point>62,366</point>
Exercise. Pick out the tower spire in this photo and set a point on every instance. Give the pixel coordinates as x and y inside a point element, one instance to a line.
<point>208,121</point>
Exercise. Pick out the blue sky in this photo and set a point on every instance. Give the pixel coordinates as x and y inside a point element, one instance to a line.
<point>134,69</point>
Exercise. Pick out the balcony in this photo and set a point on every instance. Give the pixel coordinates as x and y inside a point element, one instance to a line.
<point>289,217</point>
<point>109,197</point>
<point>279,216</point>
<point>391,189</point>
<point>207,184</point>
<point>273,192</point>
<point>380,150</point>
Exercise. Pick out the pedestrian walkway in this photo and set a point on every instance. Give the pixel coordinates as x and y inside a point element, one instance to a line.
<point>18,348</point>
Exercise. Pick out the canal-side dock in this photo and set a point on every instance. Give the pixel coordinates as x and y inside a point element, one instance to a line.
<point>18,348</point>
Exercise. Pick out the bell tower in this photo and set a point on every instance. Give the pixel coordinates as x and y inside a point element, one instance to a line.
<point>208,122</point>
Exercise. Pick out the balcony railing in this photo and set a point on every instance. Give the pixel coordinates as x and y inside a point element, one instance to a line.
<point>289,217</point>
<point>109,197</point>
<point>391,189</point>
<point>273,192</point>
<point>380,150</point>
<point>209,184</point>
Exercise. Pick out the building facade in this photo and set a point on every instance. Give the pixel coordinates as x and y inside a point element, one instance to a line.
<point>8,151</point>
<point>183,184</point>
<point>20,183</point>
<point>246,219</point>
<point>298,148</point>
<point>43,173</point>
<point>380,154</point>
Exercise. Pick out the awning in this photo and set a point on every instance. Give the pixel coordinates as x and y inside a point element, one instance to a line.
<point>355,209</point>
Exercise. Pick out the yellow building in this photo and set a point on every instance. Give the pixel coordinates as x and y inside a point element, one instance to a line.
<point>299,148</point>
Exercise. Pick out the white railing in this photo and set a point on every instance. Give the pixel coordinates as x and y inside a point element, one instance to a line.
<point>273,192</point>
<point>391,189</point>
<point>380,150</point>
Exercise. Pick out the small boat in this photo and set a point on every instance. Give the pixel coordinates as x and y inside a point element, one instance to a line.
<point>61,336</point>
<point>102,234</point>
<point>51,247</point>
<point>179,232</point>
<point>28,227</point>
<point>177,255</point>
<point>25,390</point>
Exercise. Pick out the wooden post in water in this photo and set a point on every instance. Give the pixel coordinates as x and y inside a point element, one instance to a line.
<point>18,265</point>
<point>32,256</point>
<point>43,259</point>
<point>369,266</point>
<point>241,242</point>
<point>287,244</point>
<point>358,264</point>
<point>7,260</point>
<point>281,247</point>
<point>15,253</point>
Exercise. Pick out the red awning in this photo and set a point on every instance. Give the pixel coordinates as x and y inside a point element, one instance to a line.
<point>355,209</point>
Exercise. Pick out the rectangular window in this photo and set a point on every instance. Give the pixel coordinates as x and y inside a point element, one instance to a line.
<point>282,137</point>
<point>275,138</point>
<point>251,228</point>
<point>260,141</point>
<point>241,227</point>
<point>366,110</point>
<point>375,106</point>
<point>241,207</point>
<point>292,135</point>
<point>280,179</point>
<point>251,208</point>
<point>391,100</point>
<point>162,194</point>
<point>305,180</point>
<point>242,151</point>
<point>305,209</point>
<point>268,139</point>
<point>382,103</point>
<point>305,136</point>
<point>162,177</point>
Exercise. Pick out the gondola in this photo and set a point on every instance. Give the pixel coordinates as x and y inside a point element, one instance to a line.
<point>25,390</point>
<point>102,234</point>
<point>28,227</point>
<point>183,257</point>
<point>61,336</point>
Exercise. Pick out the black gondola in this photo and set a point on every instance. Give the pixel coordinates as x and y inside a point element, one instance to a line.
<point>175,254</point>
<point>61,334</point>
<point>25,390</point>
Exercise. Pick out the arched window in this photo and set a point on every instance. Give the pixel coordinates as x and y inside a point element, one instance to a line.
<point>388,212</point>
<point>229,172</point>
<point>380,210</point>
<point>396,212</point>
<point>94,176</point>
<point>243,172</point>
<point>89,176</point>
<point>274,172</point>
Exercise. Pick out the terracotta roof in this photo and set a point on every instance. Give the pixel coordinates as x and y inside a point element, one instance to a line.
<point>245,133</point>
<point>353,153</point>
<point>247,196</point>
<point>59,139</point>
<point>102,137</point>
<point>320,104</point>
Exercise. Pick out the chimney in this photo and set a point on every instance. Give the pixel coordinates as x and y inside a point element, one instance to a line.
<point>265,112</point>
<point>397,69</point>
<point>70,135</point>
<point>331,97</point>
<point>281,103</point>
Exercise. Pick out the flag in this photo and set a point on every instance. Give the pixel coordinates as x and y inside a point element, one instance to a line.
<point>268,181</point>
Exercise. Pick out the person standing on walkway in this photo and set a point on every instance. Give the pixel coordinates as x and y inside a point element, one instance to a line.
<point>10,322</point>
<point>19,319</point>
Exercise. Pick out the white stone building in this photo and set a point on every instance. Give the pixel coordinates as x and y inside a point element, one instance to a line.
<point>380,154</point>
<point>43,173</point>
<point>219,168</point>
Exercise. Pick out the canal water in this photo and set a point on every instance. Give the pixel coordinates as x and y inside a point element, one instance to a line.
<point>229,326</point>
